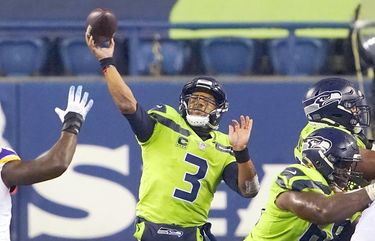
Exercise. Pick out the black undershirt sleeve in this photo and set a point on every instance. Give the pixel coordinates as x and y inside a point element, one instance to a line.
<point>141,123</point>
<point>230,176</point>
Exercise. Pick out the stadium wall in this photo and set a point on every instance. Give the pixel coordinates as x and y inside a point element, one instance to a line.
<point>95,199</point>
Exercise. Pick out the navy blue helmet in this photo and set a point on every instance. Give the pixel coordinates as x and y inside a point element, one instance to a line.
<point>208,85</point>
<point>334,153</point>
<point>337,101</point>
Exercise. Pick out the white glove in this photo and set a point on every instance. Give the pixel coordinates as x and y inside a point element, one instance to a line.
<point>76,104</point>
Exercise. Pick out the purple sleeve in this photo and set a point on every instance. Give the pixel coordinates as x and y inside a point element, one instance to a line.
<point>230,176</point>
<point>141,123</point>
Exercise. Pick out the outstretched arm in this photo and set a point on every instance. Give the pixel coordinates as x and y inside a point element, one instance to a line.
<point>51,165</point>
<point>142,124</point>
<point>320,209</point>
<point>239,134</point>
<point>120,91</point>
<point>57,159</point>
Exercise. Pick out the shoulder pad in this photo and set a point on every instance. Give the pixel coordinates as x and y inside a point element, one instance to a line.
<point>159,108</point>
<point>7,154</point>
<point>295,179</point>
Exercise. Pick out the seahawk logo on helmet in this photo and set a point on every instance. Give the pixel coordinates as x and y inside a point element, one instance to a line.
<point>317,142</point>
<point>339,101</point>
<point>332,152</point>
<point>327,98</point>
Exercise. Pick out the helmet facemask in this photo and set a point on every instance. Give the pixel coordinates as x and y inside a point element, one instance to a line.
<point>202,103</point>
<point>198,109</point>
<point>360,112</point>
<point>343,173</point>
<point>335,154</point>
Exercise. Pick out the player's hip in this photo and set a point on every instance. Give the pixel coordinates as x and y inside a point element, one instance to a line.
<point>149,231</point>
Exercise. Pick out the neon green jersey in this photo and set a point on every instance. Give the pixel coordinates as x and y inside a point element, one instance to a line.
<point>180,171</point>
<point>280,225</point>
<point>312,126</point>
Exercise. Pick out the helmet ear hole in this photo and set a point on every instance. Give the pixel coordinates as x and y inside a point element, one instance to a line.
<point>316,116</point>
<point>332,159</point>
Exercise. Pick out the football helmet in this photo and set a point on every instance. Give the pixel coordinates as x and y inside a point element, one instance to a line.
<point>208,85</point>
<point>337,101</point>
<point>334,153</point>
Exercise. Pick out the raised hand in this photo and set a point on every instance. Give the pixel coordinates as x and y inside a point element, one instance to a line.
<point>239,132</point>
<point>100,52</point>
<point>77,108</point>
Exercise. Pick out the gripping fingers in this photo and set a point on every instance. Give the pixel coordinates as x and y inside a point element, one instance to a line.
<point>112,43</point>
<point>90,42</point>
<point>88,33</point>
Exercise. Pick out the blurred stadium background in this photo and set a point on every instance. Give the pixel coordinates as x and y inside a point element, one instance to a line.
<point>266,52</point>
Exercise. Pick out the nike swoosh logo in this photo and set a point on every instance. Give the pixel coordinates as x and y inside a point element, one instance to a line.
<point>292,172</point>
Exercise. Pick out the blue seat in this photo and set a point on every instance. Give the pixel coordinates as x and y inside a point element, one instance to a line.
<point>77,58</point>
<point>19,56</point>
<point>228,55</point>
<point>308,57</point>
<point>165,56</point>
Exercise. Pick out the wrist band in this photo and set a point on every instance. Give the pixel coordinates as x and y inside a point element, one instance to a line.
<point>104,63</point>
<point>72,122</point>
<point>242,156</point>
<point>370,189</point>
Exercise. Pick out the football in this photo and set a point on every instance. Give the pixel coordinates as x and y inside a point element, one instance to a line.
<point>102,25</point>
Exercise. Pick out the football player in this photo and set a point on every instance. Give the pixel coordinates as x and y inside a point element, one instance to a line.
<point>337,102</point>
<point>184,155</point>
<point>308,201</point>
<point>15,171</point>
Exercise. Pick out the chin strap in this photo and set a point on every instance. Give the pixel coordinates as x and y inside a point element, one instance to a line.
<point>200,122</point>
<point>197,121</point>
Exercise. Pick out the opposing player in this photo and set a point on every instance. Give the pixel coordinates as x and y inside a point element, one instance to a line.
<point>15,171</point>
<point>364,230</point>
<point>308,201</point>
<point>184,156</point>
<point>338,103</point>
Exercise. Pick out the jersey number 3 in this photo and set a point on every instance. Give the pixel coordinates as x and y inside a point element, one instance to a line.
<point>192,178</point>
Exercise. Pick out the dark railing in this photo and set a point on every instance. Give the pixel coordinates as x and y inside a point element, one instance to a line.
<point>134,31</point>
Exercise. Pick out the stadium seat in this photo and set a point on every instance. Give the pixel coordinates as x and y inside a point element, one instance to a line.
<point>308,57</point>
<point>77,58</point>
<point>19,56</point>
<point>228,55</point>
<point>164,56</point>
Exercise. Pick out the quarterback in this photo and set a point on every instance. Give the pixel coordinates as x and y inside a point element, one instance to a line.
<point>184,156</point>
